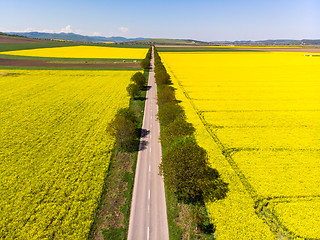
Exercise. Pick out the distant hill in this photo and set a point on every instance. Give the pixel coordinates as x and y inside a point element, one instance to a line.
<point>157,41</point>
<point>165,41</point>
<point>73,37</point>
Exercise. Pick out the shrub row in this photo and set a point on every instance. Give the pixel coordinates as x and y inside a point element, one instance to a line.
<point>161,74</point>
<point>145,63</point>
<point>124,126</point>
<point>138,82</point>
<point>184,163</point>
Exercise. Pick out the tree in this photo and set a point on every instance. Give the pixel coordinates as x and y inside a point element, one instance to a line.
<point>145,63</point>
<point>124,131</point>
<point>182,168</point>
<point>179,128</point>
<point>165,95</point>
<point>186,172</point>
<point>169,112</point>
<point>139,79</point>
<point>133,90</point>
<point>129,114</point>
<point>162,77</point>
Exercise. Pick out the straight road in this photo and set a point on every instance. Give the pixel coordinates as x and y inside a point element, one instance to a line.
<point>148,218</point>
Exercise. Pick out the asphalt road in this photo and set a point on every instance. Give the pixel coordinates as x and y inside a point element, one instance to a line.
<point>148,218</point>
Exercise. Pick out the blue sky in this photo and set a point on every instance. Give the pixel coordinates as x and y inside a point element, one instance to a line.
<point>209,20</point>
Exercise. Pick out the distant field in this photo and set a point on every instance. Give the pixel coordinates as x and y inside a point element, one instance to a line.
<point>258,114</point>
<point>75,57</point>
<point>203,49</point>
<point>83,52</point>
<point>54,149</point>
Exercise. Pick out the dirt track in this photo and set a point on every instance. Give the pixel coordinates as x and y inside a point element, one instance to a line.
<point>37,63</point>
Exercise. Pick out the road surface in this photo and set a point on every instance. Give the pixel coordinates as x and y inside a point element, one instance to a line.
<point>148,218</point>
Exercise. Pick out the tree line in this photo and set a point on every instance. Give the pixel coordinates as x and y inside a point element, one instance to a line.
<point>185,165</point>
<point>124,126</point>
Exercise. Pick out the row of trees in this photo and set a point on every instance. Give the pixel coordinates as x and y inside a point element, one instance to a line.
<point>145,63</point>
<point>124,126</point>
<point>184,163</point>
<point>137,83</point>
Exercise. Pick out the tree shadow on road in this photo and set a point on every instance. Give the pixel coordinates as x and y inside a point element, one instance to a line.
<point>144,133</point>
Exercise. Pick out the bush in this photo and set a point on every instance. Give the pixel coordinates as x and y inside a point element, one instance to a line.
<point>200,217</point>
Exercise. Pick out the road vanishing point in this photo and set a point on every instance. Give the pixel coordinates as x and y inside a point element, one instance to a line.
<point>148,217</point>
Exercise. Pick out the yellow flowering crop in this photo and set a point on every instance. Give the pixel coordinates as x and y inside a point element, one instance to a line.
<point>257,114</point>
<point>83,52</point>
<point>54,149</point>
<point>300,215</point>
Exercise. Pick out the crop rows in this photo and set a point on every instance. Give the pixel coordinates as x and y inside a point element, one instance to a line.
<point>54,149</point>
<point>261,111</point>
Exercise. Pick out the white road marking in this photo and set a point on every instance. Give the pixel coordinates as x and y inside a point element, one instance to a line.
<point>149,168</point>
<point>150,149</point>
<point>148,233</point>
<point>149,194</point>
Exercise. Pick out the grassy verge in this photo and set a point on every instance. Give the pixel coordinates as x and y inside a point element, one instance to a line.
<point>180,225</point>
<point>113,215</point>
<point>179,220</point>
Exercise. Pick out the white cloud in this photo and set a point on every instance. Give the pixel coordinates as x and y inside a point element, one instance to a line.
<point>124,30</point>
<point>66,29</point>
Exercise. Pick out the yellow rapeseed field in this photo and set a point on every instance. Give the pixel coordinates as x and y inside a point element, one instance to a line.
<point>54,149</point>
<point>257,114</point>
<point>83,52</point>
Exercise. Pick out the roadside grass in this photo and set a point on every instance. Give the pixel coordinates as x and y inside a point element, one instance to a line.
<point>113,215</point>
<point>179,220</point>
